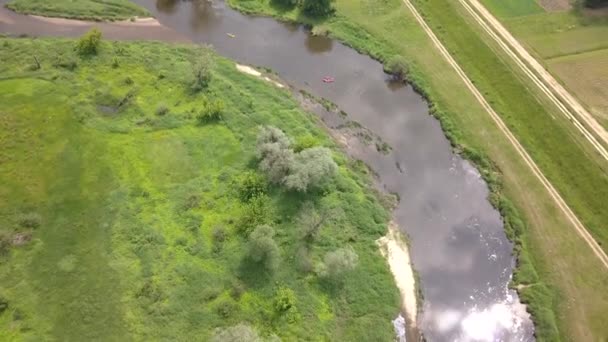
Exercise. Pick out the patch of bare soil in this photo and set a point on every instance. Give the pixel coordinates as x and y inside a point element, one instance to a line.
<point>555,5</point>
<point>21,239</point>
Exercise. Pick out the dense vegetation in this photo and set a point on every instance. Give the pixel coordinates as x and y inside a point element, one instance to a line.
<point>595,3</point>
<point>80,9</point>
<point>139,202</point>
<point>546,264</point>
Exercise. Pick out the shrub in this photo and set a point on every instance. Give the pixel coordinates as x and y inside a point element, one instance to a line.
<point>317,8</point>
<point>89,43</point>
<point>30,220</point>
<point>258,211</point>
<point>226,307</point>
<point>237,333</point>
<point>304,262</point>
<point>305,142</point>
<point>263,249</point>
<point>397,65</point>
<point>162,109</point>
<point>115,63</point>
<point>219,236</point>
<point>249,185</point>
<point>284,300</point>
<point>311,168</point>
<point>338,263</point>
<point>237,289</point>
<point>211,111</point>
<point>3,304</point>
<point>128,80</point>
<point>5,244</point>
<point>67,62</point>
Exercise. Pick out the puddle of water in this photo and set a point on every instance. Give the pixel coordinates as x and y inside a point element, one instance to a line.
<point>458,245</point>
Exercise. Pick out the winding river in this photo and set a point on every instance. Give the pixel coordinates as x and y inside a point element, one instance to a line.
<point>458,246</point>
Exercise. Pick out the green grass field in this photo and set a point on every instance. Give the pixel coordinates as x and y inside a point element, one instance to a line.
<point>512,8</point>
<point>561,33</point>
<point>80,9</point>
<point>586,75</point>
<point>572,45</point>
<point>121,205</point>
<point>556,262</point>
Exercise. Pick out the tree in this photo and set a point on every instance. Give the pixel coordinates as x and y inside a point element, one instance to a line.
<point>397,65</point>
<point>317,8</point>
<point>201,70</point>
<point>338,263</point>
<point>237,333</point>
<point>311,168</point>
<point>263,249</point>
<point>311,220</point>
<point>89,43</point>
<point>277,158</point>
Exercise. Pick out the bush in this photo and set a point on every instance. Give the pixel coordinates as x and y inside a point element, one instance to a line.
<point>258,211</point>
<point>237,333</point>
<point>284,300</point>
<point>305,142</point>
<point>3,304</point>
<point>5,244</point>
<point>162,110</point>
<point>89,43</point>
<point>30,220</point>
<point>263,249</point>
<point>237,289</point>
<point>211,111</point>
<point>397,66</point>
<point>317,8</point>
<point>226,308</point>
<point>219,236</point>
<point>338,263</point>
<point>128,80</point>
<point>312,167</point>
<point>67,62</point>
<point>249,185</point>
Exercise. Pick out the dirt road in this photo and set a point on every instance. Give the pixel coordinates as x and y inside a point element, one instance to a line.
<point>576,223</point>
<point>595,133</point>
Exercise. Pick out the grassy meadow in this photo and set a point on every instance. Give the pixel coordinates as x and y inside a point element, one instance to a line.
<point>586,75</point>
<point>553,262</point>
<point>80,9</point>
<point>120,213</point>
<point>573,46</point>
<point>512,8</point>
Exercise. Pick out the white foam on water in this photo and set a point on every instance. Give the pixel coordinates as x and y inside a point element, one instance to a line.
<point>399,325</point>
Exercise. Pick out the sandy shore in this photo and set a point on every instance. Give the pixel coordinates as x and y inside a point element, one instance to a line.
<point>394,248</point>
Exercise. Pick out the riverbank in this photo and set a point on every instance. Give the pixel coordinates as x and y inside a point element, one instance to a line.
<point>108,10</point>
<point>542,237</point>
<point>120,188</point>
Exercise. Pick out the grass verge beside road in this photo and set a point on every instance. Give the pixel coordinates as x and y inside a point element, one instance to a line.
<point>554,260</point>
<point>80,9</point>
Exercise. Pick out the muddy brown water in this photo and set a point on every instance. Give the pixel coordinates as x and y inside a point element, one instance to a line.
<point>458,245</point>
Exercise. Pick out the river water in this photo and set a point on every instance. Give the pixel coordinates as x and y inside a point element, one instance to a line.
<point>458,246</point>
